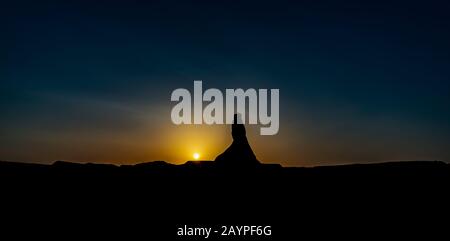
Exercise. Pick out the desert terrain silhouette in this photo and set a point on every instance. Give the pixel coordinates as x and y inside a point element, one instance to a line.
<point>153,199</point>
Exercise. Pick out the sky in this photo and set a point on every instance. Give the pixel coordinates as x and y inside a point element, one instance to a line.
<point>90,81</point>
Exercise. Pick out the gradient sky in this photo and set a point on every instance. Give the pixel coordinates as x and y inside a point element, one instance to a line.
<point>90,81</point>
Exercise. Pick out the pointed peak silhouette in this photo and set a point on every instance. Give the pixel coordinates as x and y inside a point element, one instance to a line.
<point>239,153</point>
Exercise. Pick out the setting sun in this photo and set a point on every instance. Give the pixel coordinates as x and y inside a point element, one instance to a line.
<point>196,156</point>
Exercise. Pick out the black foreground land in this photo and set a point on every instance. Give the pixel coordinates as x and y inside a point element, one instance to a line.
<point>150,201</point>
<point>153,199</point>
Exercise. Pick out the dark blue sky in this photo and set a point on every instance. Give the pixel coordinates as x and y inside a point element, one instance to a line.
<point>91,80</point>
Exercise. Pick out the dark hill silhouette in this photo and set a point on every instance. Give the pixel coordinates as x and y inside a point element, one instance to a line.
<point>239,154</point>
<point>385,169</point>
<point>152,199</point>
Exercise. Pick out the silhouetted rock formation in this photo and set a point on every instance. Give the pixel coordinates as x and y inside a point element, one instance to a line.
<point>239,153</point>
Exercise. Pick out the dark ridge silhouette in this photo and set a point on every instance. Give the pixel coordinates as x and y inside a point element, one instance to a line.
<point>385,168</point>
<point>149,201</point>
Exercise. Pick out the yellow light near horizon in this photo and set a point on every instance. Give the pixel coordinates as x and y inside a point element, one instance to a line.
<point>196,156</point>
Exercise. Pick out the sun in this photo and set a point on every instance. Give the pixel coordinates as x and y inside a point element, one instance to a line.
<point>196,155</point>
